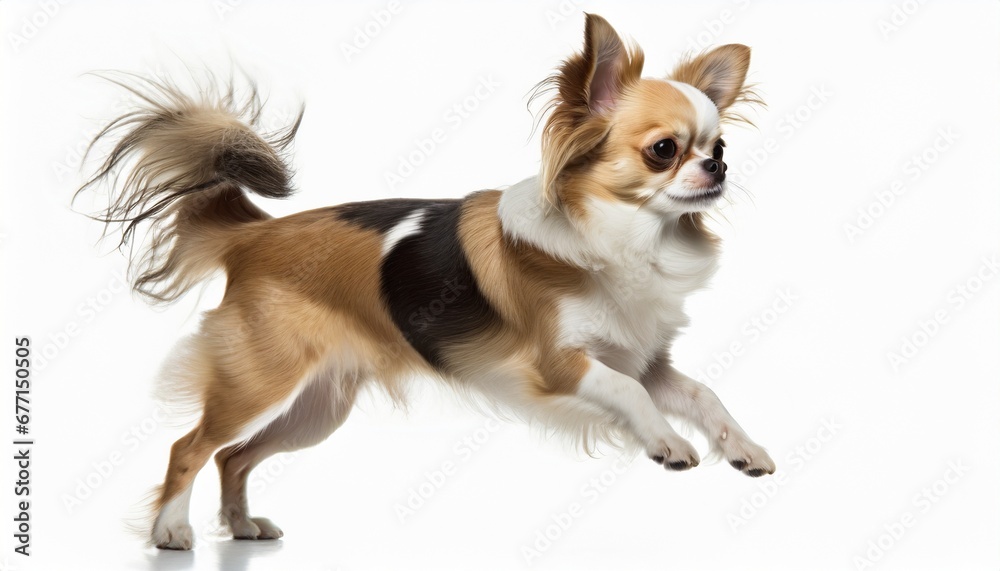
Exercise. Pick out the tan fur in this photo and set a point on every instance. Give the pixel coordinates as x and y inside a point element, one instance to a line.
<point>524,285</point>
<point>299,295</point>
<point>620,168</point>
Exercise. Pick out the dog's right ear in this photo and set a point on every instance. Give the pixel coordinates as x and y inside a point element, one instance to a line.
<point>596,77</point>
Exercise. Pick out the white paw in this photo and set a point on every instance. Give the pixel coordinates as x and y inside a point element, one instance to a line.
<point>174,536</point>
<point>268,530</point>
<point>747,457</point>
<point>256,528</point>
<point>674,453</point>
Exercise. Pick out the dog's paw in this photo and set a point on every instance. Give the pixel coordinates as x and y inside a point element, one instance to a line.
<point>178,536</point>
<point>256,528</point>
<point>674,454</point>
<point>748,458</point>
<point>268,529</point>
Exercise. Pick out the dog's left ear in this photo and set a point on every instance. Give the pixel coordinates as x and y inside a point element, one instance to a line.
<point>589,85</point>
<point>719,74</point>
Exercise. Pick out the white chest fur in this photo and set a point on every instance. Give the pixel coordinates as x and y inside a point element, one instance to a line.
<point>631,314</point>
<point>641,268</point>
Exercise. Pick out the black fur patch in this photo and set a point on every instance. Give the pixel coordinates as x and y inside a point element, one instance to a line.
<point>427,284</point>
<point>381,215</point>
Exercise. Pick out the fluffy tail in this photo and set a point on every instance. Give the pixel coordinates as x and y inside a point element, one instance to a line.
<point>183,165</point>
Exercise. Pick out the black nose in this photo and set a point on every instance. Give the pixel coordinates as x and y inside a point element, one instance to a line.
<point>716,168</point>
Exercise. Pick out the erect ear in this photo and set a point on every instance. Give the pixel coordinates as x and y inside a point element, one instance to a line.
<point>597,76</point>
<point>719,74</point>
<point>589,84</point>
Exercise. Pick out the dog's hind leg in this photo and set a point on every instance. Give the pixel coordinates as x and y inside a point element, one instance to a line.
<point>320,408</point>
<point>225,420</point>
<point>245,382</point>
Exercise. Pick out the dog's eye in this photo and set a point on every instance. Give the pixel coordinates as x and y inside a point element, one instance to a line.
<point>665,149</point>
<point>717,151</point>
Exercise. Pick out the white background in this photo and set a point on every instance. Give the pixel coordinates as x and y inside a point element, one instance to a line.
<point>821,361</point>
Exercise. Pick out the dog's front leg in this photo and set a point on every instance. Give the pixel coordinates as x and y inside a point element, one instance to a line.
<point>625,398</point>
<point>676,393</point>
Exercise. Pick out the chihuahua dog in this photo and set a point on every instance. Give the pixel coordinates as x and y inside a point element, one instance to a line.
<point>555,300</point>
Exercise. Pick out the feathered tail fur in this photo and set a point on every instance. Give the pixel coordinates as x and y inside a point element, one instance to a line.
<point>183,164</point>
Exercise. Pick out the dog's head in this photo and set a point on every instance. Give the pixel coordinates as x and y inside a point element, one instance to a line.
<point>652,143</point>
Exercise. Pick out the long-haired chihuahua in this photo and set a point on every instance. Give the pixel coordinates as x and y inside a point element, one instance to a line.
<point>555,300</point>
